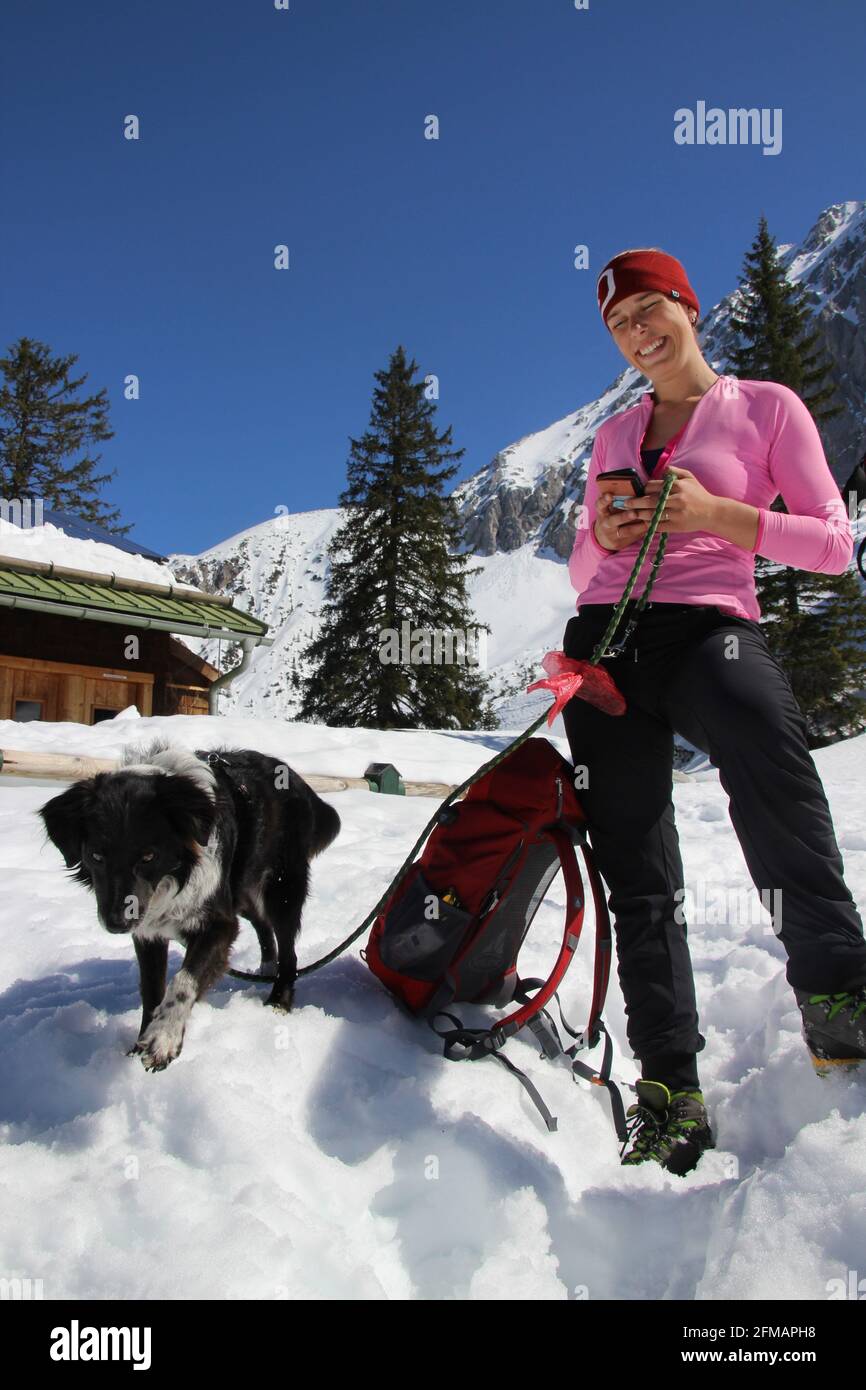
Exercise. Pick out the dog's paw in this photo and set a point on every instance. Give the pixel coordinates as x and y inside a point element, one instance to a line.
<point>158,1051</point>
<point>161,1041</point>
<point>281,998</point>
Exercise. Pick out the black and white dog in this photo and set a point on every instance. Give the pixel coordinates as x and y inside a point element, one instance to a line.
<point>176,844</point>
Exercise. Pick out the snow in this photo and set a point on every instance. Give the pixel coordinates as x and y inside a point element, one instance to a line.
<point>566,443</point>
<point>46,542</point>
<point>276,572</point>
<point>834,241</point>
<point>280,569</point>
<point>334,1153</point>
<point>838,223</point>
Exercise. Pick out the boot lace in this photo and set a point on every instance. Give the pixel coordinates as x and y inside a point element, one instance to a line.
<point>654,1133</point>
<point>856,1002</point>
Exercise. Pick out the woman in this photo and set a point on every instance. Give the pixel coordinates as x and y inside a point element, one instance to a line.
<point>698,662</point>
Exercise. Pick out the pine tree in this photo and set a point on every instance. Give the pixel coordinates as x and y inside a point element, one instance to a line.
<point>815,623</point>
<point>395,562</point>
<point>43,425</point>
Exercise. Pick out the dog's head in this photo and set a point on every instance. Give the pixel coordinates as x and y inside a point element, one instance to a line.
<point>133,836</point>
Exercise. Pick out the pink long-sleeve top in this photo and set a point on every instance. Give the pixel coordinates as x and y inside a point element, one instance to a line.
<point>746,440</point>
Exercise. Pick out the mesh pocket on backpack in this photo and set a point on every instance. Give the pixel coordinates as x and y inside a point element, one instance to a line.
<point>422,933</point>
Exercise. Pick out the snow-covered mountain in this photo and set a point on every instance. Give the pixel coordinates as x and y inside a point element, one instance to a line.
<point>520,509</point>
<point>277,572</point>
<point>530,492</point>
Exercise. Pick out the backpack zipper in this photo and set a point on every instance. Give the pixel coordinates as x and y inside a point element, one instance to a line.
<point>494,895</point>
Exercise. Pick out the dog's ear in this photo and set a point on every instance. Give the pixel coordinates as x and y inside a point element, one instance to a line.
<point>190,810</point>
<point>64,819</point>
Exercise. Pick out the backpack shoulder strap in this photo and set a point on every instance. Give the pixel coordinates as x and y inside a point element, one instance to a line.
<point>471,1044</point>
<point>574,909</point>
<point>603,945</point>
<point>463,1043</point>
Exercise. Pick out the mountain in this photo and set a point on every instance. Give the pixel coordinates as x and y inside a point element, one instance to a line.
<point>530,492</point>
<point>520,510</point>
<point>277,571</point>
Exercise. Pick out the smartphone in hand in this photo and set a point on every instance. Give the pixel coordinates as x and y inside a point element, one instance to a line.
<point>627,482</point>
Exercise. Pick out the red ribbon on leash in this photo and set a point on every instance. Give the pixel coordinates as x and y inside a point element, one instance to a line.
<point>567,677</point>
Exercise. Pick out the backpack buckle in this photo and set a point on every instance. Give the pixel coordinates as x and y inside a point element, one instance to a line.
<point>586,1040</point>
<point>545,1031</point>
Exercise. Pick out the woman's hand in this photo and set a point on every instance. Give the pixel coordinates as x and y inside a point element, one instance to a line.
<point>615,529</point>
<point>689,506</point>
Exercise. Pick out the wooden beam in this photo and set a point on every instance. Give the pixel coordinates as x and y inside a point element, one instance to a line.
<point>69,767</point>
<point>189,658</point>
<point>69,668</point>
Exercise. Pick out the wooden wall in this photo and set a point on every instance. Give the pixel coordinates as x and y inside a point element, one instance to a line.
<point>75,666</point>
<point>69,691</point>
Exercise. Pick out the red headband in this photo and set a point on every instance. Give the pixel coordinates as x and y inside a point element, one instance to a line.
<point>633,271</point>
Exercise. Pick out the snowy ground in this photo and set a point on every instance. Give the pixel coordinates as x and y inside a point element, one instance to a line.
<point>336,1154</point>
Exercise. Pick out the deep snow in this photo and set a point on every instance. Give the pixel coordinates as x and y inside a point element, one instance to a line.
<point>335,1153</point>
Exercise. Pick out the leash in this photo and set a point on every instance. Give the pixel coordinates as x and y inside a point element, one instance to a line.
<point>440,816</point>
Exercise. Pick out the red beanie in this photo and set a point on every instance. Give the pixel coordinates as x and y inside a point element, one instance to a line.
<point>633,271</point>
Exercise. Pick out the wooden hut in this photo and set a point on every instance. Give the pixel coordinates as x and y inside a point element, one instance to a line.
<point>76,645</point>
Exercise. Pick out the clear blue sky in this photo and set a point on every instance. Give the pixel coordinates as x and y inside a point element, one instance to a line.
<point>306,127</point>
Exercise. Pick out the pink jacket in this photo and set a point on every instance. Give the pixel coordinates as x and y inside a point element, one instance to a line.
<point>749,440</point>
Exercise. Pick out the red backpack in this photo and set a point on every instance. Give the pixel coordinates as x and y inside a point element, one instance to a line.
<point>453,927</point>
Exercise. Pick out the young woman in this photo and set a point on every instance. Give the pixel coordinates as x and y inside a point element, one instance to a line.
<point>698,662</point>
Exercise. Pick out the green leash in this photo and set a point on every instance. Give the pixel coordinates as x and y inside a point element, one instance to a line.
<point>601,651</point>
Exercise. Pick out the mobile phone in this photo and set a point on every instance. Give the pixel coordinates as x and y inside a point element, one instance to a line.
<point>629,484</point>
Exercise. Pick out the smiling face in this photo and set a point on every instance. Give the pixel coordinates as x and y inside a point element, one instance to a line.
<point>654,334</point>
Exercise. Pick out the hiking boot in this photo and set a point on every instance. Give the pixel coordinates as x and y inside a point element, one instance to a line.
<point>670,1128</point>
<point>834,1026</point>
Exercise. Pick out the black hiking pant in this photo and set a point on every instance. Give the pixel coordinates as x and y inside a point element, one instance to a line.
<point>682,671</point>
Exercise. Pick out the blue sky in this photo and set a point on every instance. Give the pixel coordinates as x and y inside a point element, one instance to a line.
<point>305,126</point>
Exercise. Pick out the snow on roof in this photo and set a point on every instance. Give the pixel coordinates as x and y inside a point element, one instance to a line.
<point>47,542</point>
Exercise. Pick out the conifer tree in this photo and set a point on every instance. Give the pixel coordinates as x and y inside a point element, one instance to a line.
<point>395,574</point>
<point>815,623</point>
<point>43,429</point>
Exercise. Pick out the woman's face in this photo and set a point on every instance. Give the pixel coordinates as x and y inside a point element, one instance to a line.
<point>640,321</point>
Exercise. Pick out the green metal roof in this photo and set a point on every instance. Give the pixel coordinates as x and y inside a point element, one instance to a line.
<point>88,598</point>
